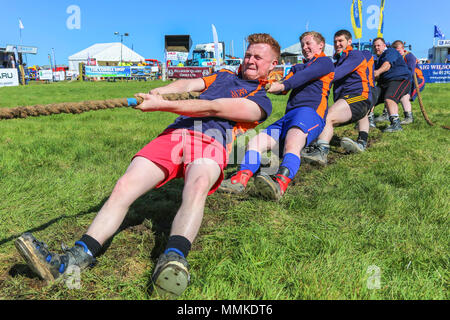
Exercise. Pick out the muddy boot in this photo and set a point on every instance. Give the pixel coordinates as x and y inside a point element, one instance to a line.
<point>273,187</point>
<point>353,146</point>
<point>171,276</point>
<point>408,118</point>
<point>395,125</point>
<point>50,266</point>
<point>317,155</point>
<point>383,117</point>
<point>237,183</point>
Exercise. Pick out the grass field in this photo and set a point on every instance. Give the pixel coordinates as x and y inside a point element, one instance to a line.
<point>379,215</point>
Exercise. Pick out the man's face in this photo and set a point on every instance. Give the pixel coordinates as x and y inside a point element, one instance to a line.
<point>310,47</point>
<point>400,50</point>
<point>378,47</point>
<point>341,43</point>
<point>259,61</point>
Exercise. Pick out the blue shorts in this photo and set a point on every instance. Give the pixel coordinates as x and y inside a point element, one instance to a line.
<point>304,118</point>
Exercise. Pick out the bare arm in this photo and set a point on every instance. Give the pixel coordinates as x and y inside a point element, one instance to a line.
<point>234,109</point>
<point>384,68</point>
<point>181,86</point>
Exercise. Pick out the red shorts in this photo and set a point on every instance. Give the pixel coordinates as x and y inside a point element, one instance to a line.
<point>174,149</point>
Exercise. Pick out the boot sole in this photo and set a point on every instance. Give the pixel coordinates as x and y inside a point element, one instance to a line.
<point>266,188</point>
<point>350,146</point>
<point>27,251</point>
<point>229,190</point>
<point>172,280</point>
<point>315,162</point>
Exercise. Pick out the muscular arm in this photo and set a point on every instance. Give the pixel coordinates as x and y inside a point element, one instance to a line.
<point>181,86</point>
<point>235,109</point>
<point>384,68</point>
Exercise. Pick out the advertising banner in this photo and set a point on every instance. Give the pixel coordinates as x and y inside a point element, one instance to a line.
<point>9,78</point>
<point>179,56</point>
<point>107,72</point>
<point>435,73</point>
<point>143,71</point>
<point>45,75</point>
<point>188,72</point>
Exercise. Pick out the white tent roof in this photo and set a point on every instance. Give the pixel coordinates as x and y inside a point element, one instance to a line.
<point>104,52</point>
<point>296,49</point>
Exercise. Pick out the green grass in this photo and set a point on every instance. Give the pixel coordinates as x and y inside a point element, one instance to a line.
<point>387,207</point>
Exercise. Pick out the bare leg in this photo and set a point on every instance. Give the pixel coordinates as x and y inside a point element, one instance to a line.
<point>200,176</point>
<point>141,176</point>
<point>406,103</point>
<point>363,124</point>
<point>295,141</point>
<point>261,143</point>
<point>391,106</point>
<point>339,112</point>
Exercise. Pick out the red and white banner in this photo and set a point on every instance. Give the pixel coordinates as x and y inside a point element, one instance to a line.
<point>188,72</point>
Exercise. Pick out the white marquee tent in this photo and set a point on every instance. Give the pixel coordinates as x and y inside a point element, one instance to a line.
<point>104,52</point>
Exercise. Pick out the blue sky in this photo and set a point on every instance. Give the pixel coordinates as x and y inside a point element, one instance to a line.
<point>148,21</point>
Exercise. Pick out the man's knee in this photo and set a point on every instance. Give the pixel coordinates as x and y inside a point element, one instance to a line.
<point>122,186</point>
<point>198,186</point>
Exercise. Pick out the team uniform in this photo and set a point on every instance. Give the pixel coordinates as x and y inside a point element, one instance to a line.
<point>307,106</point>
<point>411,62</point>
<point>351,82</point>
<point>306,109</point>
<point>370,72</point>
<point>396,82</point>
<point>192,138</point>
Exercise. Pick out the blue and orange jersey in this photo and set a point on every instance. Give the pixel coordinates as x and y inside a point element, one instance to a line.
<point>370,67</point>
<point>399,69</point>
<point>411,62</point>
<point>226,84</point>
<point>351,75</point>
<point>310,83</point>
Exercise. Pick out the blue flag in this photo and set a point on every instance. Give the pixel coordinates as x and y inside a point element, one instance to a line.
<point>438,33</point>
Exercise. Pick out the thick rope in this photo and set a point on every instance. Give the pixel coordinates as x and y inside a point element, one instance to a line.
<point>422,108</point>
<point>79,107</point>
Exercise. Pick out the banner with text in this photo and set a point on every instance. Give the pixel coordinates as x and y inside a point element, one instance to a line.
<point>188,72</point>
<point>435,73</point>
<point>9,78</point>
<point>107,72</point>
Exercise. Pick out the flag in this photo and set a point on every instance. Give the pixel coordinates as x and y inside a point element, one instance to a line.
<point>438,33</point>
<point>21,24</point>
<point>381,26</point>
<point>216,45</point>
<point>356,16</point>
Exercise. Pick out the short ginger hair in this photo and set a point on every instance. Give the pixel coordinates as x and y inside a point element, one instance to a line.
<point>267,39</point>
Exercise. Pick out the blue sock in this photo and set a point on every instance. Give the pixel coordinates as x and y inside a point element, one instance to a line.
<point>251,161</point>
<point>292,162</point>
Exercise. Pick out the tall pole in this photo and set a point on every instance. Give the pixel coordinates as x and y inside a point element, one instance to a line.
<point>121,45</point>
